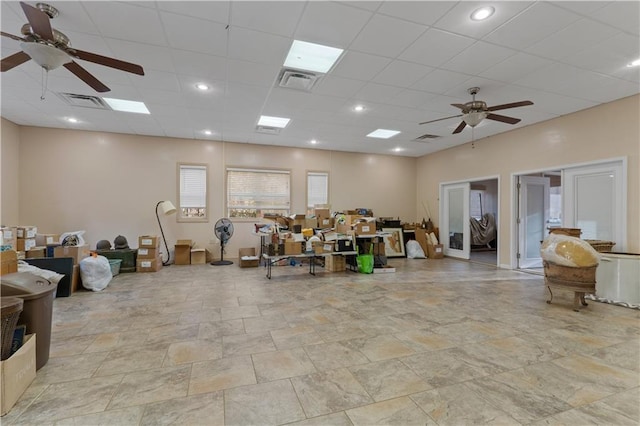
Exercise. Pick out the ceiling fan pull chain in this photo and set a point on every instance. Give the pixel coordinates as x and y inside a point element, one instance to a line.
<point>45,82</point>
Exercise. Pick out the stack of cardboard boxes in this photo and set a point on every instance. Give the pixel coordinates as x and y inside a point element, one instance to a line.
<point>149,257</point>
<point>187,254</point>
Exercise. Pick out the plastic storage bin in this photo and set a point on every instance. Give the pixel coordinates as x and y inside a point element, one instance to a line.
<point>9,311</point>
<point>114,264</point>
<point>37,311</point>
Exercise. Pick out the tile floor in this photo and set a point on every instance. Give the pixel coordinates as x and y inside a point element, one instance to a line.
<point>443,342</point>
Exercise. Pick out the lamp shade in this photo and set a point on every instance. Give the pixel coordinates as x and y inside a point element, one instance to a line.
<point>167,208</point>
<point>474,118</point>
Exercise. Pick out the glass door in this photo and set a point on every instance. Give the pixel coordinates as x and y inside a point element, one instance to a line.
<point>533,219</point>
<point>455,236</point>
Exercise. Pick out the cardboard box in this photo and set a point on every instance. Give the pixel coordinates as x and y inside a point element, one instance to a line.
<point>9,232</point>
<point>335,263</point>
<point>148,253</point>
<point>9,262</point>
<point>76,282</point>
<point>148,265</point>
<point>422,239</point>
<point>148,241</point>
<point>292,247</point>
<point>320,247</point>
<point>36,252</point>
<point>325,222</point>
<point>26,231</point>
<point>351,219</point>
<point>16,373</point>
<point>250,259</point>
<point>183,252</point>
<point>365,228</point>
<point>342,228</point>
<point>76,252</point>
<point>198,256</point>
<point>46,239</point>
<point>435,251</point>
<point>26,244</point>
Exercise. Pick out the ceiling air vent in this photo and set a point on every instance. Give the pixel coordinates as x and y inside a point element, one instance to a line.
<point>425,137</point>
<point>268,130</point>
<point>84,101</point>
<point>297,80</point>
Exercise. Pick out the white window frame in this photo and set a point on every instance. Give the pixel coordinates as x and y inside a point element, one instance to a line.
<point>181,216</point>
<point>311,205</point>
<point>283,210</point>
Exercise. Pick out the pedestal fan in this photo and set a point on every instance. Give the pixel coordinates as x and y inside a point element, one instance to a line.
<point>223,230</point>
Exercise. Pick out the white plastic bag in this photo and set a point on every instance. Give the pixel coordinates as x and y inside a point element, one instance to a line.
<point>414,251</point>
<point>95,272</point>
<point>568,251</point>
<point>77,234</point>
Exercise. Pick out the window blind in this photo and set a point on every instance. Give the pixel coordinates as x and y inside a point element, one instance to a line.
<point>193,186</point>
<point>317,188</point>
<point>251,193</point>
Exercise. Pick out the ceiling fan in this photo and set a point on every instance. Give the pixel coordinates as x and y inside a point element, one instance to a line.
<point>475,111</point>
<point>50,48</point>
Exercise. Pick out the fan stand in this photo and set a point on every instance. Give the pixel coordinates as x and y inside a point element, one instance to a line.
<point>221,261</point>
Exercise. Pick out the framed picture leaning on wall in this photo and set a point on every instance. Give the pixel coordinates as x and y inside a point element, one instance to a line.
<point>393,242</point>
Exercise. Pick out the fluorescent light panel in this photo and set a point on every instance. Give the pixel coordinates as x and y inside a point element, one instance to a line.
<point>311,57</point>
<point>383,133</point>
<point>127,106</point>
<point>279,122</point>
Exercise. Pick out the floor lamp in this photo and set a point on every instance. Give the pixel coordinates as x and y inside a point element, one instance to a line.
<point>167,208</point>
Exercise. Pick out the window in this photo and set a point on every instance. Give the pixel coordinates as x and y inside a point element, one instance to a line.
<point>192,193</point>
<point>317,189</point>
<point>252,193</point>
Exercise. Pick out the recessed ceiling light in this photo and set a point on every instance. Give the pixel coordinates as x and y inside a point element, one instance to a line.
<point>482,13</point>
<point>635,63</point>
<point>311,57</point>
<point>313,141</point>
<point>383,133</point>
<point>207,132</point>
<point>358,108</point>
<point>72,120</point>
<point>202,86</point>
<point>398,149</point>
<point>279,122</point>
<point>127,106</point>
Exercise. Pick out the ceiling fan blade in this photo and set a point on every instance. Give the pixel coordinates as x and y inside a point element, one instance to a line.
<point>460,127</point>
<point>38,20</point>
<point>15,37</point>
<point>14,60</point>
<point>85,76</point>
<point>503,118</point>
<point>106,61</point>
<point>440,119</point>
<point>511,105</point>
<point>461,106</point>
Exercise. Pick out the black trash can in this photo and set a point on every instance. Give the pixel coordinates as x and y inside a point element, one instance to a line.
<point>37,310</point>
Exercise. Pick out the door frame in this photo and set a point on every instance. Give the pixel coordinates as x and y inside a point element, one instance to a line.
<point>513,243</point>
<point>470,181</point>
<point>523,216</point>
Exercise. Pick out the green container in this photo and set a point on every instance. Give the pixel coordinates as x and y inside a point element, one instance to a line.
<point>127,256</point>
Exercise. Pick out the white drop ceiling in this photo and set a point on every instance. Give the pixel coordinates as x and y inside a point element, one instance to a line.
<point>405,62</point>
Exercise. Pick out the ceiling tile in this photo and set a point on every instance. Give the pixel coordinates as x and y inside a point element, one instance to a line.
<point>374,38</point>
<point>439,81</point>
<point>435,47</point>
<point>515,67</point>
<point>411,98</point>
<point>331,24</point>
<point>536,22</point>
<point>624,15</point>
<point>148,56</point>
<point>458,19</point>
<point>126,22</point>
<point>276,17</point>
<point>199,64</point>
<point>402,74</point>
<point>251,73</point>
<point>376,92</point>
<point>254,46</point>
<point>609,56</point>
<point>359,66</point>
<point>421,12</point>
<point>478,57</point>
<point>193,34</point>
<point>217,11</point>
<point>337,86</point>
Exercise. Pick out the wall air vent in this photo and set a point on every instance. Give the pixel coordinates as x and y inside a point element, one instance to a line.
<point>297,80</point>
<point>268,130</point>
<point>425,138</point>
<point>84,101</point>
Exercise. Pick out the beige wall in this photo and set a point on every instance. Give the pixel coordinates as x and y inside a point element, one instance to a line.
<point>608,131</point>
<point>108,184</point>
<point>9,143</point>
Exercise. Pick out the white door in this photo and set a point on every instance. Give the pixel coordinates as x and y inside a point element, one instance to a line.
<point>454,235</point>
<point>595,202</point>
<point>533,219</point>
